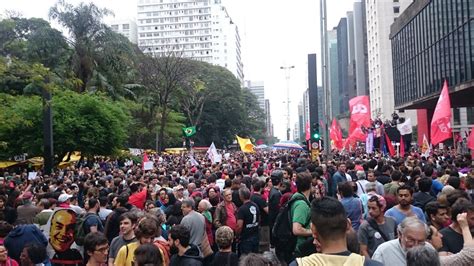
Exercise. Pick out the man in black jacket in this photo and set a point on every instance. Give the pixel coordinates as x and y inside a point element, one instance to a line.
<point>422,197</point>
<point>188,254</point>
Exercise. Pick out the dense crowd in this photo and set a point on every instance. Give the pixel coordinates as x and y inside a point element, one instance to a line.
<point>264,208</point>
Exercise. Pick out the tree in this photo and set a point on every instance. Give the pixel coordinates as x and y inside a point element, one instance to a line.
<point>163,76</point>
<point>88,123</point>
<point>84,23</point>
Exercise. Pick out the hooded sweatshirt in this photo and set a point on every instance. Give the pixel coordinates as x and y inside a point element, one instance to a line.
<point>191,257</point>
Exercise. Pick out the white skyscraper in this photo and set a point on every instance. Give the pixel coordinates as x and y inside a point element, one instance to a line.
<point>380,14</point>
<point>198,29</point>
<point>127,28</point>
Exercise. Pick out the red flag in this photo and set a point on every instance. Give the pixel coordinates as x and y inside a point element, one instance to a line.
<point>335,133</point>
<point>360,111</point>
<point>441,122</point>
<point>388,142</point>
<point>402,147</point>
<point>470,140</point>
<point>308,134</point>
<point>144,160</point>
<point>357,135</point>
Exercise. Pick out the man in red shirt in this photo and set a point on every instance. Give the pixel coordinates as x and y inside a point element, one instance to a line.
<point>138,197</point>
<point>225,212</point>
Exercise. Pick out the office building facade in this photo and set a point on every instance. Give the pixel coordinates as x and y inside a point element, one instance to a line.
<point>197,29</point>
<point>433,41</point>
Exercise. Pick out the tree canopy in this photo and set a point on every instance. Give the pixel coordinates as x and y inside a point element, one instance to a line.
<point>106,93</point>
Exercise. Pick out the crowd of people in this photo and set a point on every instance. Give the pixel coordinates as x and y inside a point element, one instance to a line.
<point>263,208</point>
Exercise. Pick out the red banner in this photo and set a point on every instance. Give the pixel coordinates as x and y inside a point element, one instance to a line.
<point>308,134</point>
<point>360,111</point>
<point>335,134</point>
<point>470,140</point>
<point>441,122</point>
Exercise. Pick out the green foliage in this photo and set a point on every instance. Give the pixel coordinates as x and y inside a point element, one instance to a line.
<point>106,93</point>
<point>91,124</point>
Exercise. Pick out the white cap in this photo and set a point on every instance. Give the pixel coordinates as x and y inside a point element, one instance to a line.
<point>64,197</point>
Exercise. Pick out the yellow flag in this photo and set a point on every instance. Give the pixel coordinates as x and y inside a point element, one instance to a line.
<point>245,144</point>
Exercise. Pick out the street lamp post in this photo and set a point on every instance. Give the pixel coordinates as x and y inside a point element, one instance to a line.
<point>325,75</point>
<point>287,76</point>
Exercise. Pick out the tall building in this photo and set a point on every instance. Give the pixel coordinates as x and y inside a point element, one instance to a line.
<point>343,65</point>
<point>360,49</point>
<point>433,41</point>
<point>197,29</point>
<point>333,70</point>
<point>380,14</point>
<point>127,28</point>
<point>268,119</point>
<point>351,67</point>
<point>258,89</point>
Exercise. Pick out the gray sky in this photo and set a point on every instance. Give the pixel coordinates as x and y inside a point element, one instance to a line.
<point>274,33</point>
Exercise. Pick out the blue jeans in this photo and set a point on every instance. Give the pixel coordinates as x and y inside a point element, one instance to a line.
<point>249,245</point>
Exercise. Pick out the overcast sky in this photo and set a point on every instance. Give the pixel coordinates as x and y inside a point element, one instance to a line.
<point>274,33</point>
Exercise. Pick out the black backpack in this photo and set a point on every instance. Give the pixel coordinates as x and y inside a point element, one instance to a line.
<point>282,231</point>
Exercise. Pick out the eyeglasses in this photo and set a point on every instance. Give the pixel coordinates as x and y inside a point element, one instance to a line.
<point>413,242</point>
<point>103,249</point>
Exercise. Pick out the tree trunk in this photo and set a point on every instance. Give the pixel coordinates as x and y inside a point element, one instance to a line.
<point>161,137</point>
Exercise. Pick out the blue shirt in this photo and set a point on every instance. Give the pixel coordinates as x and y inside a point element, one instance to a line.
<point>398,216</point>
<point>353,207</point>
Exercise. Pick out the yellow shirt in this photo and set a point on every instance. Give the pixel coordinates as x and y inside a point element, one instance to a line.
<point>125,255</point>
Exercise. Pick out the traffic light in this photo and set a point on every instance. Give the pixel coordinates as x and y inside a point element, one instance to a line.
<point>315,136</point>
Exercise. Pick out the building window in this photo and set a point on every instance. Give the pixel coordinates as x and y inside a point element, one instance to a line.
<point>114,27</point>
<point>396,9</point>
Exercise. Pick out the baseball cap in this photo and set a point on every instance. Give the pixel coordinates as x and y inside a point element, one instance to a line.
<point>64,197</point>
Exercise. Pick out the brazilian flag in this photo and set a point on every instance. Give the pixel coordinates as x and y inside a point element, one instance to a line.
<point>189,131</point>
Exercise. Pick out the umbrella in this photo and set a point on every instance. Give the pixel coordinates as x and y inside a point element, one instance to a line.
<point>261,147</point>
<point>287,145</point>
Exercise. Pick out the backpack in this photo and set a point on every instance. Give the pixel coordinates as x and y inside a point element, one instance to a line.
<point>282,231</point>
<point>79,231</point>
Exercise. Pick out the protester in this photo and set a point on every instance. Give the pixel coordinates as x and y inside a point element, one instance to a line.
<point>145,233</point>
<point>96,247</point>
<point>329,225</point>
<point>128,222</point>
<point>377,229</point>
<point>225,256</point>
<point>436,214</point>
<point>453,241</point>
<point>404,208</point>
<point>188,254</point>
<point>300,209</point>
<point>412,232</point>
<point>248,217</point>
<point>147,255</point>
